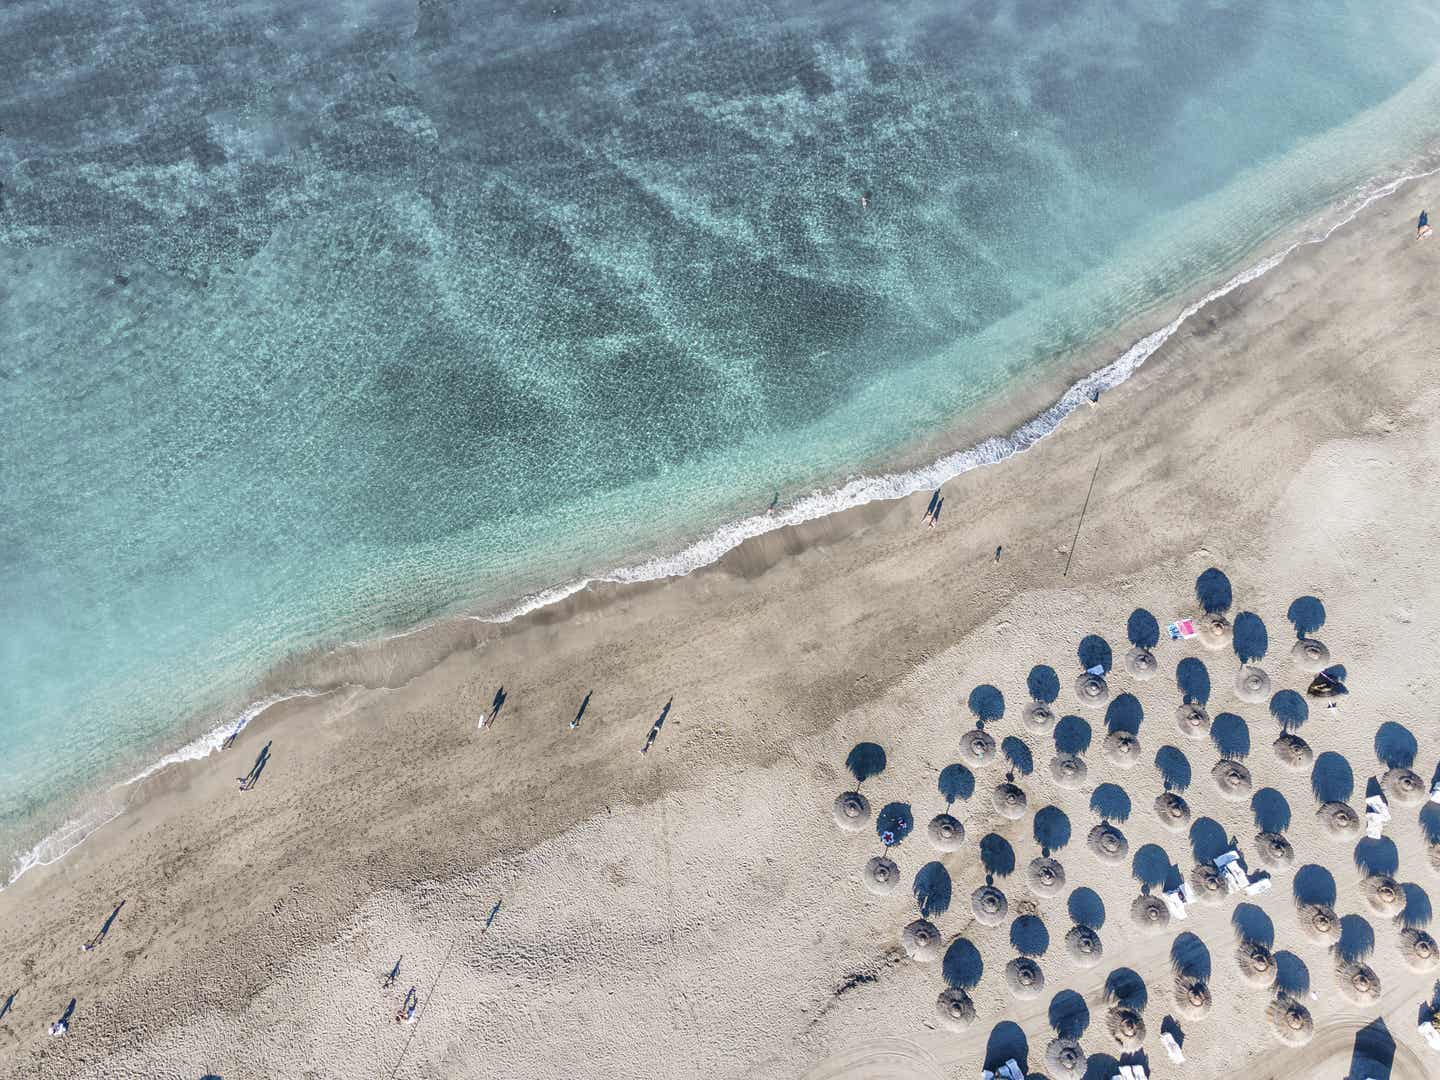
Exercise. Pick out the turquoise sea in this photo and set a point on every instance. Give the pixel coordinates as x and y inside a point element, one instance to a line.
<point>321,319</point>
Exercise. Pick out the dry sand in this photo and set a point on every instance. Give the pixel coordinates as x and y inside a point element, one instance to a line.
<point>695,912</point>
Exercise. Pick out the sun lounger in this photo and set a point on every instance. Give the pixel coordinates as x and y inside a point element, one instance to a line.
<point>1258,887</point>
<point>1175,901</point>
<point>1377,813</point>
<point>1229,866</point>
<point>1130,1072</point>
<point>1181,628</point>
<point>1429,1033</point>
<point>1172,1048</point>
<point>1009,1071</point>
<point>1435,791</point>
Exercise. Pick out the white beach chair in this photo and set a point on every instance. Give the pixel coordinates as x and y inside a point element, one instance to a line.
<point>1175,901</point>
<point>1377,813</point>
<point>1258,887</point>
<point>1430,1034</point>
<point>1435,791</point>
<point>1229,866</point>
<point>1172,1048</point>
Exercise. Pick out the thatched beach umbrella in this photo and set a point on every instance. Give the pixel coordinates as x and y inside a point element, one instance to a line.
<point>1273,850</point>
<point>1192,721</point>
<point>1309,655</point>
<point>1207,884</point>
<point>1065,1059</point>
<point>954,1009</point>
<point>1214,631</point>
<point>921,940</point>
<point>1419,949</point>
<point>1122,749</point>
<point>945,832</point>
<point>1257,965</point>
<point>977,747</point>
<point>1140,662</point>
<point>1290,1021</point>
<point>1038,717</point>
<point>1403,787</point>
<point>881,876</point>
<point>1083,945</point>
<point>1232,780</point>
<point>1359,983</point>
<point>1320,923</point>
<point>1149,913</point>
<point>1024,977</point>
<point>1192,996</point>
<point>1045,877</point>
<point>852,811</point>
<point>1126,1027</point>
<point>1009,801</point>
<point>1339,819</point>
<point>1252,684</point>
<point>1173,811</point>
<point>1108,843</point>
<point>989,905</point>
<point>1092,690</point>
<point>1383,893</point>
<point>1069,771</point>
<point>1293,751</point>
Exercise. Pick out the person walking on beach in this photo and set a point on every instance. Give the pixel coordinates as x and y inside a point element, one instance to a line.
<point>104,929</point>
<point>655,729</point>
<point>932,512</point>
<point>406,1015</point>
<point>1422,228</point>
<point>250,779</point>
<point>61,1026</point>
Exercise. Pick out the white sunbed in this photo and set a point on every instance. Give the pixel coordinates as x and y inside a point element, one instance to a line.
<point>1229,866</point>
<point>1435,791</point>
<point>1258,886</point>
<point>1172,1048</point>
<point>1377,813</point>
<point>1009,1071</point>
<point>1130,1072</point>
<point>1175,901</point>
<point>1430,1034</point>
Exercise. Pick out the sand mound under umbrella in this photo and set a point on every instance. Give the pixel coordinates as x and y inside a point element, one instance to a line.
<point>1310,655</point>
<point>1252,684</point>
<point>1065,1059</point>
<point>1122,749</point>
<point>921,940</point>
<point>945,832</point>
<point>1083,945</point>
<point>1173,811</point>
<point>954,1009</point>
<point>1069,771</point>
<point>1273,850</point>
<point>1126,1027</point>
<point>989,905</point>
<point>1140,662</point>
<point>1045,877</point>
<point>1319,923</point>
<point>1404,787</point>
<point>881,876</point>
<point>1149,913</point>
<point>1257,965</point>
<point>1214,631</point>
<point>1038,717</point>
<point>1359,983</point>
<point>1383,893</point>
<point>1293,751</point>
<point>852,811</point>
<point>1207,884</point>
<point>1419,949</point>
<point>1009,801</point>
<point>1108,843</point>
<point>1339,819</point>
<point>1232,780</point>
<point>1092,690</point>
<point>1192,996</point>
<point>1024,977</point>
<point>1290,1021</point>
<point>977,747</point>
<point>1192,721</point>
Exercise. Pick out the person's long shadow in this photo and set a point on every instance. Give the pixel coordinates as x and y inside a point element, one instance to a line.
<point>1373,1056</point>
<point>68,1013</point>
<point>655,728</point>
<point>9,1002</point>
<point>499,700</point>
<point>262,759</point>
<point>583,706</point>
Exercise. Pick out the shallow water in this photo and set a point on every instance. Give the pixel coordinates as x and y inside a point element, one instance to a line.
<point>318,321</point>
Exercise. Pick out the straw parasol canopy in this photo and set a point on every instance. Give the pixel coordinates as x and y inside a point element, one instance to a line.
<point>1092,690</point>
<point>1126,1027</point>
<point>1309,655</point>
<point>1024,977</point>
<point>1192,996</point>
<point>1207,883</point>
<point>1252,684</point>
<point>989,905</point>
<point>1320,923</point>
<point>1083,945</point>
<point>921,940</point>
<point>1066,1059</point>
<point>977,747</point>
<point>1293,751</point>
<point>1383,893</point>
<point>1122,749</point>
<point>954,1009</point>
<point>945,832</point>
<point>1290,1021</point>
<point>1359,983</point>
<point>1214,631</point>
<point>1045,877</point>
<point>1038,717</point>
<point>1232,780</point>
<point>1141,664</point>
<point>1149,913</point>
<point>1193,721</point>
<point>1339,819</point>
<point>852,811</point>
<point>1419,949</point>
<point>1108,843</point>
<point>1257,965</point>
<point>1403,787</point>
<point>1069,770</point>
<point>881,875</point>
<point>1009,801</point>
<point>1273,850</point>
<point>1173,811</point>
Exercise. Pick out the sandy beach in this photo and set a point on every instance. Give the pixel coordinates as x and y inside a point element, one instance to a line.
<point>694,910</point>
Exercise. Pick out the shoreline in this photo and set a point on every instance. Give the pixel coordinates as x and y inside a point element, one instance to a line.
<point>848,500</point>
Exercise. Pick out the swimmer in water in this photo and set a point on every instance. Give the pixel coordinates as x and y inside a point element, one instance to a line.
<point>865,200</point>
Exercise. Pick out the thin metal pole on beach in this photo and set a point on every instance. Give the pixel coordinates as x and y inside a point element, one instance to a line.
<point>1076,539</point>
